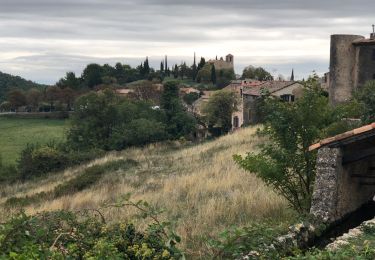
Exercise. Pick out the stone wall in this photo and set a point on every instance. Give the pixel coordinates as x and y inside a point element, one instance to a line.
<point>336,192</point>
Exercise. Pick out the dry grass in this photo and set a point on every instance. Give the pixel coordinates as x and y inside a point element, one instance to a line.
<point>199,186</point>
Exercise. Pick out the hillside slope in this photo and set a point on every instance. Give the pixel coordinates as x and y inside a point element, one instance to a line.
<point>9,82</point>
<point>200,187</point>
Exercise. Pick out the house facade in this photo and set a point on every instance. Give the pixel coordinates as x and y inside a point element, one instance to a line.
<point>247,113</point>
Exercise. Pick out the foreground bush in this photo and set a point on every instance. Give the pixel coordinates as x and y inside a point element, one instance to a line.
<point>66,235</point>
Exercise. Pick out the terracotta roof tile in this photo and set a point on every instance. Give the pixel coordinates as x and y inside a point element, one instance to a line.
<point>343,136</point>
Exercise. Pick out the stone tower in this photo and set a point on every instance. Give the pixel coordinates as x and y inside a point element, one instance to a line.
<point>229,59</point>
<point>352,64</point>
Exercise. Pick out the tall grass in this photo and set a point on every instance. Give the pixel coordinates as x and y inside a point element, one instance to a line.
<point>198,186</point>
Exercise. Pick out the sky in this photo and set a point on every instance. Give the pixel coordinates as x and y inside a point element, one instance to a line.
<point>43,39</point>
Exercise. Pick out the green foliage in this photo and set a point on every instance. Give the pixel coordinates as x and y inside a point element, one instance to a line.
<point>37,160</point>
<point>219,109</point>
<point>255,239</point>
<point>178,122</point>
<point>365,97</point>
<point>69,235</point>
<point>190,98</point>
<point>224,77</point>
<point>259,73</point>
<point>285,162</point>
<point>102,120</point>
<point>213,74</point>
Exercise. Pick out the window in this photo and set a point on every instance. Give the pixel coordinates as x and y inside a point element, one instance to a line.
<point>287,98</point>
<point>373,54</point>
<point>373,76</point>
<point>235,122</point>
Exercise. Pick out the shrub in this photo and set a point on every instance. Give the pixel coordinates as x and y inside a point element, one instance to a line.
<point>37,160</point>
<point>65,235</point>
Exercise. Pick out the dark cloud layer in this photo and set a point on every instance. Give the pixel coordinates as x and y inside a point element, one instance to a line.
<point>41,39</point>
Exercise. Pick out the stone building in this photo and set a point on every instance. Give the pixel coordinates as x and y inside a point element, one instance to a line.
<point>345,174</point>
<point>249,94</point>
<point>221,64</point>
<point>352,64</point>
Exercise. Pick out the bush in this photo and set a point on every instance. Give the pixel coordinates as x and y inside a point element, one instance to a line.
<point>37,160</point>
<point>65,235</point>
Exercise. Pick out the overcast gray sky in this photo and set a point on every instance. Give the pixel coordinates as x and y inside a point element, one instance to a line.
<point>42,39</point>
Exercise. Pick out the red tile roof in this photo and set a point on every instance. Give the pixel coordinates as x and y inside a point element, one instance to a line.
<point>271,86</point>
<point>341,137</point>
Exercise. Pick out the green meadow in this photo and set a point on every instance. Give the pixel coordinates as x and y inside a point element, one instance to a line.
<point>16,133</point>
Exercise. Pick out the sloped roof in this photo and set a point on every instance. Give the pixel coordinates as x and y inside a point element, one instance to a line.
<point>346,138</point>
<point>271,86</point>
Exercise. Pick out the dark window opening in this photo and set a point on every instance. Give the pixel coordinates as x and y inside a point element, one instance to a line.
<point>373,54</point>
<point>235,122</point>
<point>373,76</point>
<point>287,98</point>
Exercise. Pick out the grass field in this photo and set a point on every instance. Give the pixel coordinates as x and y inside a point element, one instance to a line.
<point>15,133</point>
<point>200,187</point>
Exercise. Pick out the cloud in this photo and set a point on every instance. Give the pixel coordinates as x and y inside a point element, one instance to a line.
<point>42,39</point>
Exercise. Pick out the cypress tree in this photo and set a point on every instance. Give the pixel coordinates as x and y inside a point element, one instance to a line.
<point>213,74</point>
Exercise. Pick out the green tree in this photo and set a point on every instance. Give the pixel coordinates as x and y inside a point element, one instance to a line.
<point>179,122</point>
<point>92,75</point>
<point>69,81</point>
<point>365,98</point>
<point>93,122</point>
<point>190,98</point>
<point>213,74</point>
<point>259,73</point>
<point>219,109</point>
<point>201,64</point>
<point>285,162</point>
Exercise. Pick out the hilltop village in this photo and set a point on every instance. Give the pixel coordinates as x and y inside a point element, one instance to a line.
<point>95,158</point>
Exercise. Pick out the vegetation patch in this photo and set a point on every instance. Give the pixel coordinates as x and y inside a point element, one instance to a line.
<point>83,181</point>
<point>69,235</point>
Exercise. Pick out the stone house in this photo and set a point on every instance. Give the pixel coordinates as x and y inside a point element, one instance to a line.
<point>250,93</point>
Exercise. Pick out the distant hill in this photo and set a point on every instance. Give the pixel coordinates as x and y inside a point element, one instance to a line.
<point>9,82</point>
